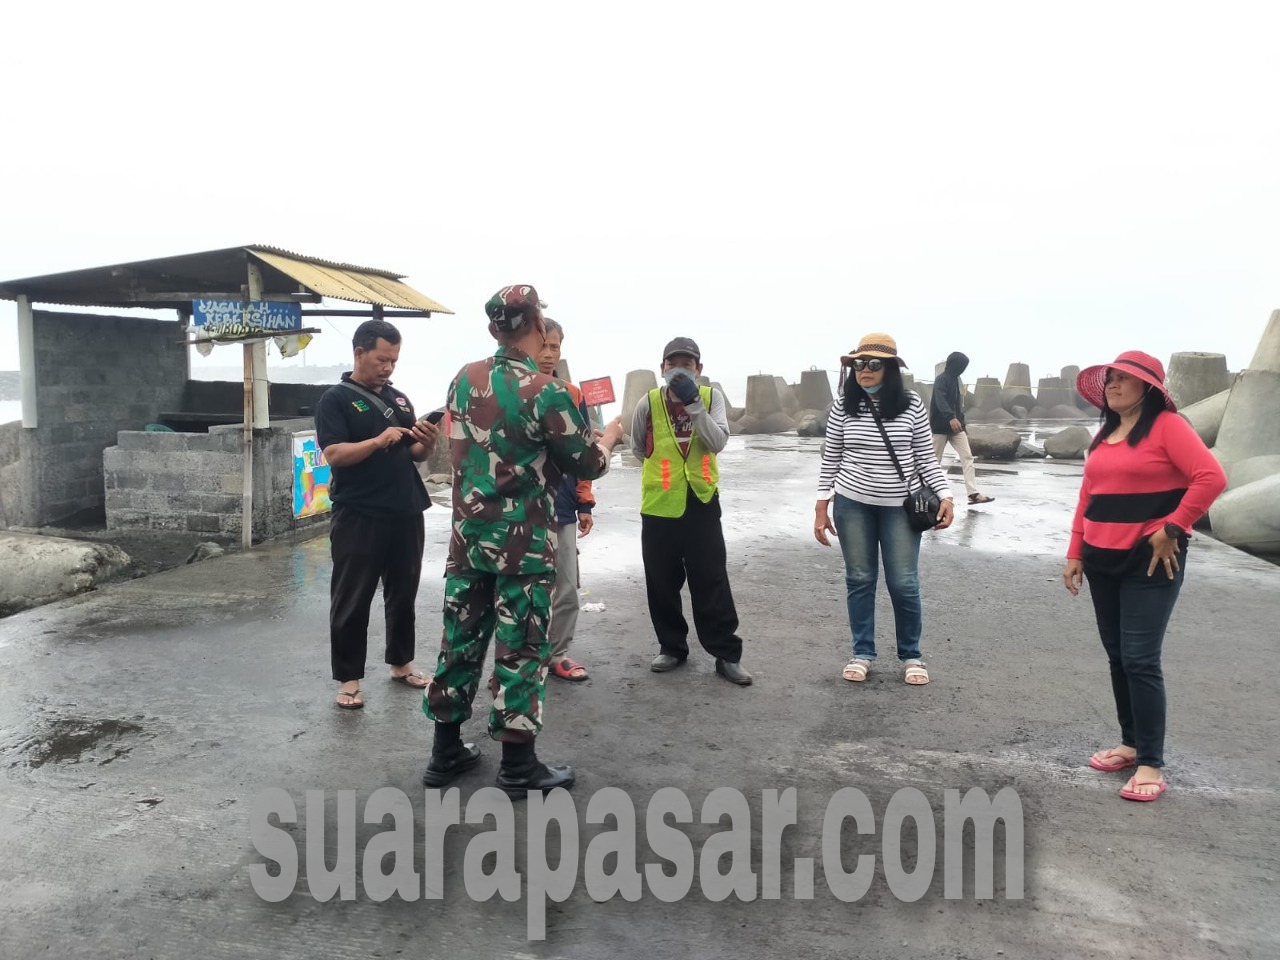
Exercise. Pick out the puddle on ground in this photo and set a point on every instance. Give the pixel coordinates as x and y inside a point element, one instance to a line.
<point>72,740</point>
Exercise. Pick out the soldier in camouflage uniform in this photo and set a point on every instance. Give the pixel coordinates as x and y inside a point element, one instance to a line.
<point>514,432</point>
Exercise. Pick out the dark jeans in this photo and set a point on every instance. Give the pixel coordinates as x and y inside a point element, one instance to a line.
<point>368,548</point>
<point>692,546</point>
<point>1133,611</point>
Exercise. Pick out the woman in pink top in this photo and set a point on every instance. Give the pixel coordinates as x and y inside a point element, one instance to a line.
<point>1148,478</point>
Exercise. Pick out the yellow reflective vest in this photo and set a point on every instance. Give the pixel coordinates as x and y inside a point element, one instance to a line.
<point>669,473</point>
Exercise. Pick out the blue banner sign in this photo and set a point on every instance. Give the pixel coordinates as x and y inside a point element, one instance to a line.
<point>234,318</point>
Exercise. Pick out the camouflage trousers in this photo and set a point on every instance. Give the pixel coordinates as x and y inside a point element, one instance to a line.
<point>478,605</point>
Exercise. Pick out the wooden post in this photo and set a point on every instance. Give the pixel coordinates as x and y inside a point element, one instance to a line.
<point>246,492</point>
<point>261,396</point>
<point>27,361</point>
<point>253,398</point>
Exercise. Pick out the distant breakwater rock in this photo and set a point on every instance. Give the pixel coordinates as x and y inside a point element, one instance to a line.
<point>10,385</point>
<point>774,405</point>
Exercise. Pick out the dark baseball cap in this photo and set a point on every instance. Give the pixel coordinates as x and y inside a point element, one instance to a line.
<point>682,345</point>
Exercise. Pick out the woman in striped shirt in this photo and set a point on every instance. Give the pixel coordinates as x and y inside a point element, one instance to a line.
<point>1147,479</point>
<point>859,475</point>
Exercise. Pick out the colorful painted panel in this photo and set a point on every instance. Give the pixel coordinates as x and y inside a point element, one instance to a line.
<point>310,477</point>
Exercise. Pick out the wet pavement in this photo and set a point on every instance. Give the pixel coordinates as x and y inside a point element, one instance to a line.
<point>138,724</point>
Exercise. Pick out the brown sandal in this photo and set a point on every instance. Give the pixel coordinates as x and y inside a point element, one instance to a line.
<point>354,698</point>
<point>413,679</point>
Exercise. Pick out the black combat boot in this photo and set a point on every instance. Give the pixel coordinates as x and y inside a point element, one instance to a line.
<point>449,756</point>
<point>522,771</point>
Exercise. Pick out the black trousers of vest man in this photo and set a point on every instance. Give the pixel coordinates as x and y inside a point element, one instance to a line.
<point>692,547</point>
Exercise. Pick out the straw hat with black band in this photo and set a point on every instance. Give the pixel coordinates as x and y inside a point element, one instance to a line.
<point>873,346</point>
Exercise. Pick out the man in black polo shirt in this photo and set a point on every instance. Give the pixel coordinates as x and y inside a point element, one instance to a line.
<point>372,439</point>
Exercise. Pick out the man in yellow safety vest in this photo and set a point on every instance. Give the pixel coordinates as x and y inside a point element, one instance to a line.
<point>676,431</point>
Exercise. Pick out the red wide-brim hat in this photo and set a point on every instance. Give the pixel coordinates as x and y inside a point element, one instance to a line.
<point>1092,382</point>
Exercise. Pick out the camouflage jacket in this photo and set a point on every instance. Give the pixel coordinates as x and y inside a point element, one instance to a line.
<point>513,434</point>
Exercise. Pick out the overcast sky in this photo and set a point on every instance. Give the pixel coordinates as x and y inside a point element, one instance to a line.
<point>1031,182</point>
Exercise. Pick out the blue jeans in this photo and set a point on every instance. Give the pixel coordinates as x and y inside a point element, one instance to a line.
<point>866,533</point>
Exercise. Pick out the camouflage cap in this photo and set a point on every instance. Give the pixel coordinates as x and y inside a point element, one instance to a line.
<point>511,306</point>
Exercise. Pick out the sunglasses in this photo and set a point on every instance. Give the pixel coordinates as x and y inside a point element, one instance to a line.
<point>872,365</point>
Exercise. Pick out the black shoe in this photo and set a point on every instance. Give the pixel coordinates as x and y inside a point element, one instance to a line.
<point>542,778</point>
<point>522,771</point>
<point>664,662</point>
<point>733,672</point>
<point>445,767</point>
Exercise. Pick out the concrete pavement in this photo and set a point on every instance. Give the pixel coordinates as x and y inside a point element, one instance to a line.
<point>138,724</point>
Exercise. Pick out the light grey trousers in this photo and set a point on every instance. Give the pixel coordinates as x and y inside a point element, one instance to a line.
<point>960,443</point>
<point>564,597</point>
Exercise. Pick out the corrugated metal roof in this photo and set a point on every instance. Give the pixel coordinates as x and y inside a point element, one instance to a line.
<point>292,255</point>
<point>172,282</point>
<point>345,282</point>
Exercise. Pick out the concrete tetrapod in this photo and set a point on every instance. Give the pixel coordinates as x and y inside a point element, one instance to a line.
<point>1069,375</point>
<point>923,390</point>
<point>762,396</point>
<point>994,415</point>
<point>639,382</point>
<point>786,397</point>
<point>1053,392</point>
<point>1248,517</point>
<point>1244,472</point>
<point>1205,417</point>
<point>1251,421</point>
<point>1017,387</point>
<point>815,390</point>
<point>987,394</point>
<point>1193,377</point>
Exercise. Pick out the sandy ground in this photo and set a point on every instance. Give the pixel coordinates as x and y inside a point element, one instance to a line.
<point>139,723</point>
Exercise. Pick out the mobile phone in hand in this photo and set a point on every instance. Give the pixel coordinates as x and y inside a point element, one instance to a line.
<point>435,416</point>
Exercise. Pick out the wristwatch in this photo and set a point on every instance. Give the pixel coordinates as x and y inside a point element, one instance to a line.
<point>1173,531</point>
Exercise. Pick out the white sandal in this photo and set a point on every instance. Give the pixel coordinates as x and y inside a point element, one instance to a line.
<point>856,670</point>
<point>916,674</point>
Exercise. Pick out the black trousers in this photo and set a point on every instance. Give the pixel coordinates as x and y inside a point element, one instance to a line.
<point>1133,611</point>
<point>692,546</point>
<point>368,548</point>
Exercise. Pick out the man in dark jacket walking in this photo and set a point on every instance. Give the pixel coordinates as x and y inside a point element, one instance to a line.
<point>946,420</point>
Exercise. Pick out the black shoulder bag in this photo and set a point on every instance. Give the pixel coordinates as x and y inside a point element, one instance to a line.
<point>922,506</point>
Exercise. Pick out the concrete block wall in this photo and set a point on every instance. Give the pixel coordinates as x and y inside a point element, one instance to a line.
<point>193,482</point>
<point>95,376</point>
<point>273,481</point>
<point>16,485</point>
